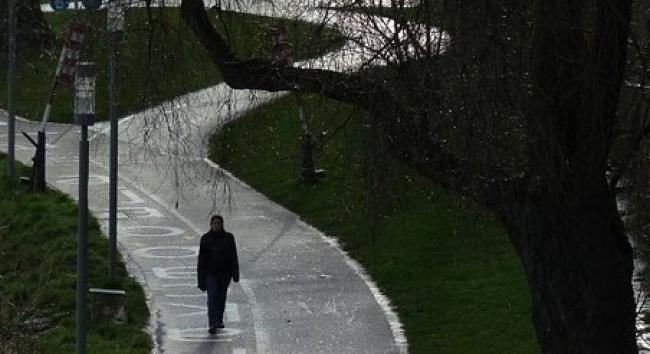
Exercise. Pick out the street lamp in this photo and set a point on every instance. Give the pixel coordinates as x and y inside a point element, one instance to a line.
<point>115,28</point>
<point>84,111</point>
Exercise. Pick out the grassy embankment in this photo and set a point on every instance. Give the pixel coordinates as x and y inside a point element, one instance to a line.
<point>38,276</point>
<point>446,265</point>
<point>160,58</point>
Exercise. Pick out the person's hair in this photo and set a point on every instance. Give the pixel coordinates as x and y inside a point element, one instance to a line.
<point>216,217</point>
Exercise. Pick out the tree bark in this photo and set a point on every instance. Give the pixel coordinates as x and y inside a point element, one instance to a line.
<point>565,224</point>
<point>578,263</point>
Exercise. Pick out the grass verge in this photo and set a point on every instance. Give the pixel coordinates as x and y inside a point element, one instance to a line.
<point>159,58</point>
<point>38,276</point>
<point>446,265</point>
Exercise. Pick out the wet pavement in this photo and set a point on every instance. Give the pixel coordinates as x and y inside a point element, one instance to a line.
<point>299,293</point>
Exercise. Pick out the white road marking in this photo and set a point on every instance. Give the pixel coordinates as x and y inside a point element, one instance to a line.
<point>5,135</point>
<point>179,285</point>
<point>202,309</point>
<point>261,336</point>
<point>151,231</point>
<point>104,215</point>
<point>183,252</point>
<point>184,295</point>
<point>201,335</point>
<point>132,198</point>
<point>74,180</point>
<point>141,211</point>
<point>231,313</point>
<point>18,147</point>
<point>175,273</point>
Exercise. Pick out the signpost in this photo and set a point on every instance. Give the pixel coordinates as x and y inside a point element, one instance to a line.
<point>84,109</point>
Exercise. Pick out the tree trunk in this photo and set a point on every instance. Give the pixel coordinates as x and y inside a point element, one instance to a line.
<point>578,263</point>
<point>564,223</point>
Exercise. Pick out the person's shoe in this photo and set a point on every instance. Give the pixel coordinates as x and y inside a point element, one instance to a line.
<point>212,330</point>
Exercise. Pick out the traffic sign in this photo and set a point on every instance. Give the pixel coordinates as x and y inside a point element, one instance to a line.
<point>91,4</point>
<point>59,5</point>
<point>70,53</point>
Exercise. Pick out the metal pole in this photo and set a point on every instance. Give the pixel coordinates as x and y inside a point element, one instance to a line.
<point>82,241</point>
<point>112,200</point>
<point>11,62</point>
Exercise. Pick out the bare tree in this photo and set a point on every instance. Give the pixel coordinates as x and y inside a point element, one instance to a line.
<point>513,105</point>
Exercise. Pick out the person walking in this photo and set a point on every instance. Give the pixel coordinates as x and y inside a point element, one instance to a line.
<point>217,265</point>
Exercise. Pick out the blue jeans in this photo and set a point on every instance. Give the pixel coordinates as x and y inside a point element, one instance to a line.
<point>217,287</point>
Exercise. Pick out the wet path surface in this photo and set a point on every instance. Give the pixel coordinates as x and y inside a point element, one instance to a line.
<point>299,293</point>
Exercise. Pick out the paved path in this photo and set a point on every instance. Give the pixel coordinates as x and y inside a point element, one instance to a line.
<point>299,293</point>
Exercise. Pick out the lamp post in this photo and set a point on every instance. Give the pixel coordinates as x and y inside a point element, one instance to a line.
<point>84,109</point>
<point>115,28</point>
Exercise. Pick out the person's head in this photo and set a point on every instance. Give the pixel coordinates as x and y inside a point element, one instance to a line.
<point>216,223</point>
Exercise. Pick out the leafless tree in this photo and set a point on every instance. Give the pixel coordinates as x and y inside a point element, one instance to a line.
<point>513,105</point>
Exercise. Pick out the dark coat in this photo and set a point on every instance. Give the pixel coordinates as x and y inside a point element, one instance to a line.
<point>217,256</point>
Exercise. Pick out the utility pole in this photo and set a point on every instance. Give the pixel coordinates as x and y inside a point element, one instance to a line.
<point>115,27</point>
<point>84,108</point>
<point>11,63</point>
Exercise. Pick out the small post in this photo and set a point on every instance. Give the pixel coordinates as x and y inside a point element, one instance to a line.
<point>84,109</point>
<point>308,171</point>
<point>40,162</point>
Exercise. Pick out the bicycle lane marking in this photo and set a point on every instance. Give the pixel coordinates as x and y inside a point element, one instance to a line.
<point>187,252</point>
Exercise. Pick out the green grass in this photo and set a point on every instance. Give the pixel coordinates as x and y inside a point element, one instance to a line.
<point>159,59</point>
<point>446,265</point>
<point>38,271</point>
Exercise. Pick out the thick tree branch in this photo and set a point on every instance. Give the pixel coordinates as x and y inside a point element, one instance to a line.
<point>406,140</point>
<point>261,74</point>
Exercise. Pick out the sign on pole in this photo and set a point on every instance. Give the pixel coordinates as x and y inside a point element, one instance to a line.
<point>66,66</point>
<point>59,5</point>
<point>115,16</point>
<point>91,4</point>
